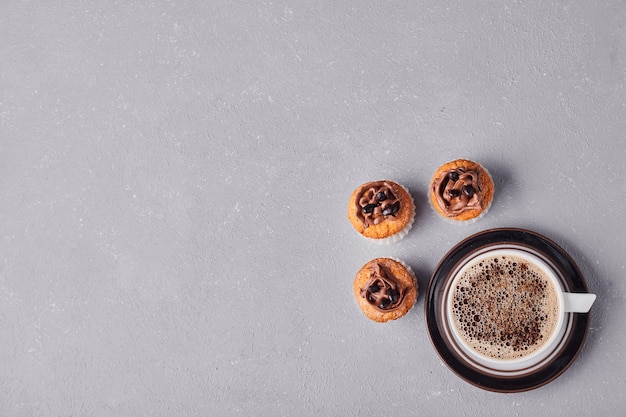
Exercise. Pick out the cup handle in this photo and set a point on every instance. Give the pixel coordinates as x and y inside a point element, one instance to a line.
<point>578,302</point>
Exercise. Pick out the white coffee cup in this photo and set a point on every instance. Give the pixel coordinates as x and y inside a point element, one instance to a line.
<point>566,303</point>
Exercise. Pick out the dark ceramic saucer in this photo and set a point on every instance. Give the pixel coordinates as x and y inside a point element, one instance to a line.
<point>518,381</point>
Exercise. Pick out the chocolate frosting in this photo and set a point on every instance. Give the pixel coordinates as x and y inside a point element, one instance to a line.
<point>458,190</point>
<point>377,201</point>
<point>382,290</point>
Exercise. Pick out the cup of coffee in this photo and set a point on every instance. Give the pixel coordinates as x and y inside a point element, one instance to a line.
<point>505,309</point>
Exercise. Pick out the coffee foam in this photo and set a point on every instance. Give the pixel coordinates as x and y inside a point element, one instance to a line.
<point>505,307</point>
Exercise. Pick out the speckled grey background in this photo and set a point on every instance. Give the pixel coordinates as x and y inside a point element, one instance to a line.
<point>174,178</point>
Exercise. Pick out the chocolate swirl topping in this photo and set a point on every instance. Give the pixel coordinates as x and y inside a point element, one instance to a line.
<point>376,202</point>
<point>457,191</point>
<point>382,290</point>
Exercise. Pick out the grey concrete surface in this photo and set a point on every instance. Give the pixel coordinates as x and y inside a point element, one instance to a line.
<point>174,178</point>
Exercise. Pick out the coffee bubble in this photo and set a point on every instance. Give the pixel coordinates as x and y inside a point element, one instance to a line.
<point>505,307</point>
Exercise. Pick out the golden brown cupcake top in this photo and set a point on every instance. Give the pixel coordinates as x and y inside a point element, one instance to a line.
<point>385,289</point>
<point>382,210</point>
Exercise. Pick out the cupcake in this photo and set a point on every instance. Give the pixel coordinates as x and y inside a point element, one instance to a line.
<point>385,288</point>
<point>461,191</point>
<point>382,211</point>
